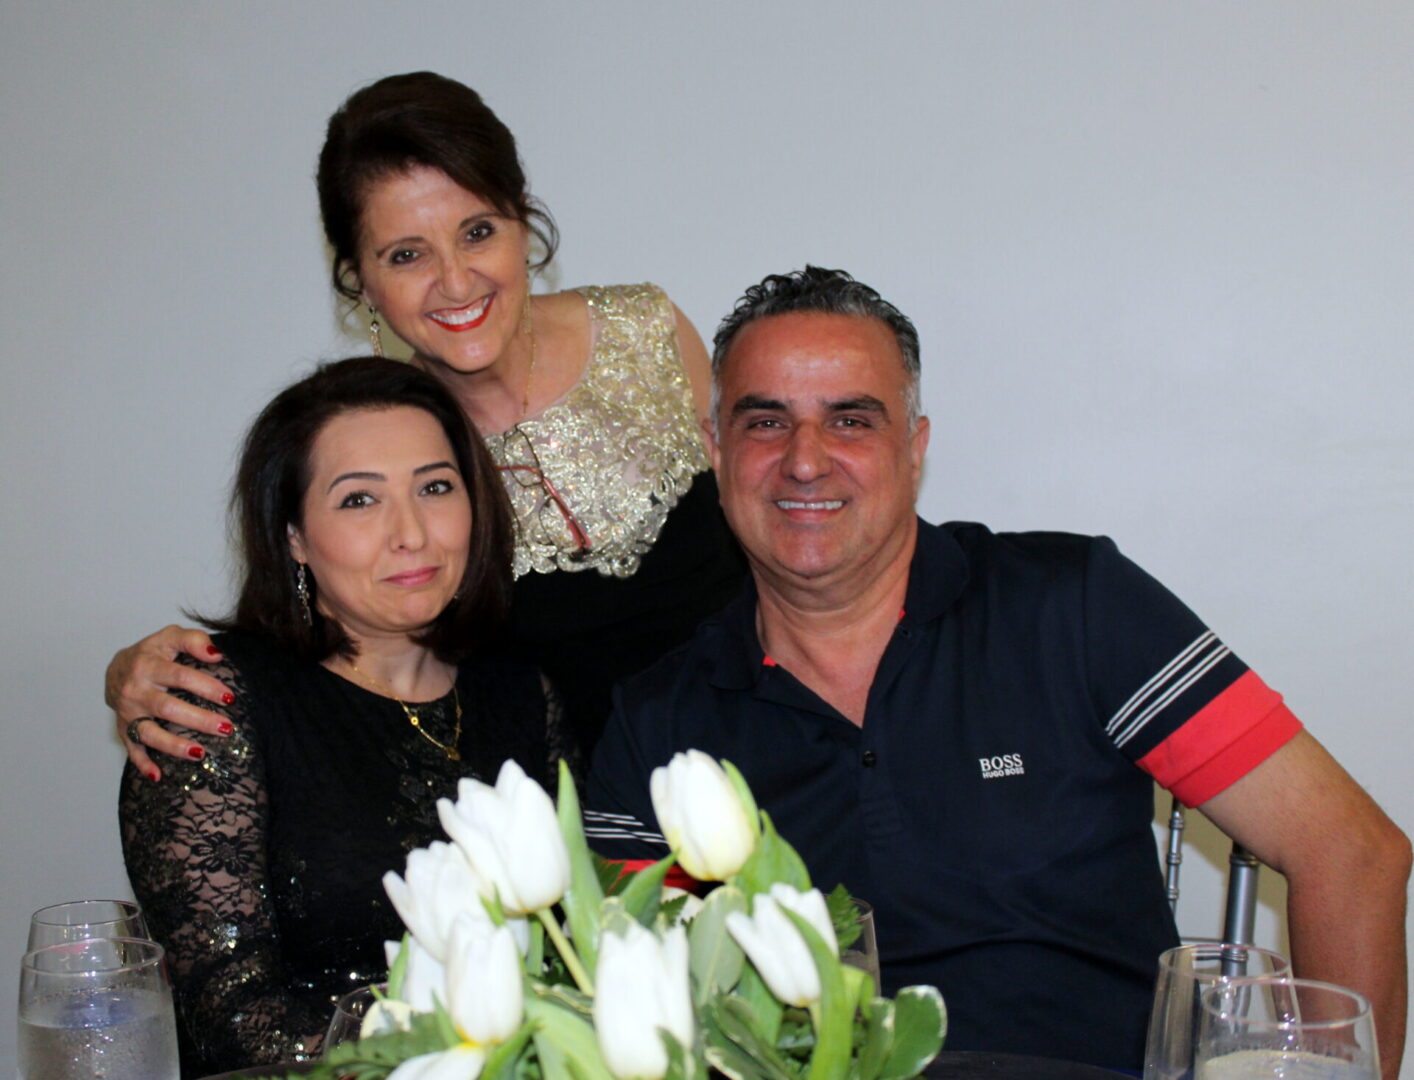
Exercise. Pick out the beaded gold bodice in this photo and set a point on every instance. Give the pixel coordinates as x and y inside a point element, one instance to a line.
<point>619,448</point>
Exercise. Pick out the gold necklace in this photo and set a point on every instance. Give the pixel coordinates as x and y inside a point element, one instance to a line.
<point>450,750</point>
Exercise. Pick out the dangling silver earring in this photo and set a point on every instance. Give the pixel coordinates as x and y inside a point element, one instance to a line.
<point>302,589</point>
<point>373,332</point>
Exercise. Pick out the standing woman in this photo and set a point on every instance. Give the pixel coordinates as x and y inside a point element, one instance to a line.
<point>589,400</point>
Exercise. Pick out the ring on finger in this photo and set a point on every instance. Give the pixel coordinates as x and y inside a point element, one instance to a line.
<point>132,729</point>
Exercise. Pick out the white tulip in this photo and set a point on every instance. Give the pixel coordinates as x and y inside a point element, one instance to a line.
<point>642,990</point>
<point>511,837</point>
<point>423,978</point>
<point>701,816</point>
<point>440,885</point>
<point>484,995</point>
<point>776,947</point>
<point>461,1062</point>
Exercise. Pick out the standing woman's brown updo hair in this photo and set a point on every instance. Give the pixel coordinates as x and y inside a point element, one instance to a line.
<point>419,119</point>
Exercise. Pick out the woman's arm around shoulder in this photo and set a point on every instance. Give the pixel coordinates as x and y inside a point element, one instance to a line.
<point>139,684</point>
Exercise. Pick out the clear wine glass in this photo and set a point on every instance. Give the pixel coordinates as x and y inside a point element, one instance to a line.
<point>1293,1029</point>
<point>350,1012</point>
<point>78,920</point>
<point>864,953</point>
<point>1184,973</point>
<point>96,1008</point>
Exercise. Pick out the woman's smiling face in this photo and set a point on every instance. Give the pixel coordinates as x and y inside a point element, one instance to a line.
<point>387,521</point>
<point>443,267</point>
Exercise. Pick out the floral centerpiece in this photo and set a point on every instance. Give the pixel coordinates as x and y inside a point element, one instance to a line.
<point>527,958</point>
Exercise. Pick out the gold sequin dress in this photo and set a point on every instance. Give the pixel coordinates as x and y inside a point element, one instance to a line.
<point>623,451</point>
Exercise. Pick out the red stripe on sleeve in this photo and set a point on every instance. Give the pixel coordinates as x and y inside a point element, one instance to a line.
<point>677,878</point>
<point>1224,741</point>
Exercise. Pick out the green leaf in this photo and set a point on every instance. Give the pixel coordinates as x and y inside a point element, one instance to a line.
<point>743,792</point>
<point>377,1055</point>
<point>398,972</point>
<point>715,959</point>
<point>581,900</point>
<point>566,1043</point>
<point>833,1014</point>
<point>732,1029</point>
<point>752,991</point>
<point>503,1061</point>
<point>920,1025</point>
<point>642,895</point>
<point>771,861</point>
<point>878,1037</point>
<point>844,915</point>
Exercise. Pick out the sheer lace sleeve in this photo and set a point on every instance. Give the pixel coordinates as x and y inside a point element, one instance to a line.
<point>195,848</point>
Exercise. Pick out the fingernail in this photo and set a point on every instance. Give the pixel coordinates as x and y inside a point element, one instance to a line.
<point>195,752</point>
<point>227,698</point>
<point>226,727</point>
<point>212,651</point>
<point>153,775</point>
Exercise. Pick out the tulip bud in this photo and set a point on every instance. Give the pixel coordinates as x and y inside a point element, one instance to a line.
<point>440,885</point>
<point>511,837</point>
<point>641,991</point>
<point>775,946</point>
<point>484,996</point>
<point>461,1062</point>
<point>423,978</point>
<point>701,816</point>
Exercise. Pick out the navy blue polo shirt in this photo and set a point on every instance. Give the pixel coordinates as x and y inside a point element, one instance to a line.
<point>995,805</point>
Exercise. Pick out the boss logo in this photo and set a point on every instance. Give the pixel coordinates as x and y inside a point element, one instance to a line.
<point>1001,765</point>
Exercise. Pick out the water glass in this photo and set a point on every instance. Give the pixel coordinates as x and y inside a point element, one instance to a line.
<point>864,953</point>
<point>96,1008</point>
<point>1293,1029</point>
<point>1184,973</point>
<point>77,920</point>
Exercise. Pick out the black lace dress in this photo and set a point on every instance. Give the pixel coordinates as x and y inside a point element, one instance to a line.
<point>260,868</point>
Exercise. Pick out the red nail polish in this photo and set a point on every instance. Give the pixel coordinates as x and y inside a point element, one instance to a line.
<point>154,775</point>
<point>196,753</point>
<point>226,727</point>
<point>227,698</point>
<point>212,651</point>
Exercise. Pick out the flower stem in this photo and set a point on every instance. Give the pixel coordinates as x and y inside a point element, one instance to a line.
<point>566,951</point>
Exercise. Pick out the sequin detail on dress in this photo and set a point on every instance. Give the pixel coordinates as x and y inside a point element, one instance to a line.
<point>621,447</point>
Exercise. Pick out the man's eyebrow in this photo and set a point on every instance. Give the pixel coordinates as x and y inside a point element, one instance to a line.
<point>862,403</point>
<point>757,403</point>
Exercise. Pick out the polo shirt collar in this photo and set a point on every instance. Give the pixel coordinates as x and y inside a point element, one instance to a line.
<point>936,577</point>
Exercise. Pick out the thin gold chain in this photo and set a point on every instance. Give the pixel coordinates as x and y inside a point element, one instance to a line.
<point>450,750</point>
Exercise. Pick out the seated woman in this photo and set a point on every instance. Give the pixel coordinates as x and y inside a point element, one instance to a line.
<point>376,541</point>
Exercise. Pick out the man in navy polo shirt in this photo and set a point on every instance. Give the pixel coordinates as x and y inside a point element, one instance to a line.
<point>964,727</point>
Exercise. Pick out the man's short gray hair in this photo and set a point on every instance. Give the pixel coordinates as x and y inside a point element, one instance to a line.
<point>830,292</point>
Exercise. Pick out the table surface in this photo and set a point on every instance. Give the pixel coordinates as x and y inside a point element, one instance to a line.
<point>949,1065</point>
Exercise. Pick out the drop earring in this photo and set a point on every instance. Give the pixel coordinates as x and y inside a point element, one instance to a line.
<point>374,334</point>
<point>302,590</point>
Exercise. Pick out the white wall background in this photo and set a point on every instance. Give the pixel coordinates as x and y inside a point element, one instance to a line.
<point>1159,254</point>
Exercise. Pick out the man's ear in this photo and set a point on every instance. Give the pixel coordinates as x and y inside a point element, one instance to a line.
<point>918,447</point>
<point>709,436</point>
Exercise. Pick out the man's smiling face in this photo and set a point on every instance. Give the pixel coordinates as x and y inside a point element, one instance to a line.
<point>813,449</point>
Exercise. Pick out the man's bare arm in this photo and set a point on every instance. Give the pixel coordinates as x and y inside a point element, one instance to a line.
<point>1347,870</point>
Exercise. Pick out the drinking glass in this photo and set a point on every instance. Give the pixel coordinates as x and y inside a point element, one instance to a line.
<point>96,1008</point>
<point>864,953</point>
<point>77,920</point>
<point>1185,972</point>
<point>349,1013</point>
<point>1294,1029</point>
